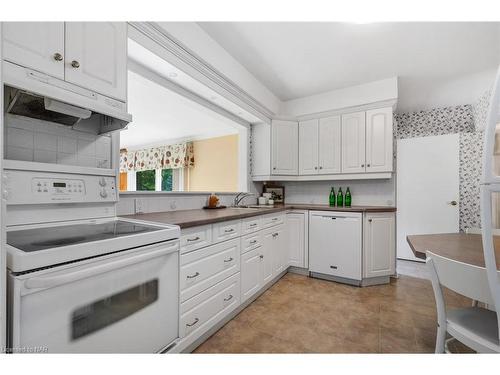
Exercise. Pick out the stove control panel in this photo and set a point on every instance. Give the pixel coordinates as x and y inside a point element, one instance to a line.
<point>33,187</point>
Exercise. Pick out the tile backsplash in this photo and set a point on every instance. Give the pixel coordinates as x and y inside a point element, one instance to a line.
<point>29,139</point>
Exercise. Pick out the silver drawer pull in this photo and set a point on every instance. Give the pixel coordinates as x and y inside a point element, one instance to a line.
<point>229,298</point>
<point>228,260</point>
<point>193,276</point>
<point>253,225</point>
<point>196,320</point>
<point>333,267</point>
<point>275,234</point>
<point>261,256</point>
<point>229,230</point>
<point>253,242</point>
<point>275,218</point>
<point>193,239</point>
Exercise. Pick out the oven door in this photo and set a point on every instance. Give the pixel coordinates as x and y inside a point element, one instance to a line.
<point>121,303</point>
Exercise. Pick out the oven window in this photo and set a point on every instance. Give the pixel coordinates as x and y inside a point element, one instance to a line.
<point>109,310</point>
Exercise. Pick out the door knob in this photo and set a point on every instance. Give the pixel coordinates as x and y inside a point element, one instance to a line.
<point>453,203</point>
<point>75,64</point>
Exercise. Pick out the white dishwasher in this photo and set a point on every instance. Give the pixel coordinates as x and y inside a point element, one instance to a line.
<point>335,245</point>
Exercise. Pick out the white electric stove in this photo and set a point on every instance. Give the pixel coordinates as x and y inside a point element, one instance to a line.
<point>81,279</point>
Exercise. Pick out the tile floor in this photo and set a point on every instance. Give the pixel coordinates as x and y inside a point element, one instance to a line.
<point>304,315</point>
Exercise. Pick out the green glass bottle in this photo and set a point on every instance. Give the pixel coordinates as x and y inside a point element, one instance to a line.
<point>340,198</point>
<point>331,198</point>
<point>348,198</point>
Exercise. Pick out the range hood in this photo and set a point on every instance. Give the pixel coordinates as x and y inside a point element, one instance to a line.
<point>27,104</point>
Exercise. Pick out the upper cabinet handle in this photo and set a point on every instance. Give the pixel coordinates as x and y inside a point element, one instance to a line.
<point>75,64</point>
<point>362,165</point>
<point>320,167</point>
<point>58,56</point>
<point>368,165</point>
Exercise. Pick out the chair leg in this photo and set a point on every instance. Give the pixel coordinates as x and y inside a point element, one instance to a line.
<point>440,339</point>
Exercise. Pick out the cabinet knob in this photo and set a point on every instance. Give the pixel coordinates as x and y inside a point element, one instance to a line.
<point>75,64</point>
<point>315,167</point>
<point>320,167</point>
<point>261,256</point>
<point>368,165</point>
<point>58,56</point>
<point>362,165</point>
<point>274,168</point>
<point>369,220</point>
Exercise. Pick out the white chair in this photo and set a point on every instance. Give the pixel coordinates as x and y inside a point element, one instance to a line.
<point>474,326</point>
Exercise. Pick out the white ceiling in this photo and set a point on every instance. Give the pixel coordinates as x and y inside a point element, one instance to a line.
<point>295,59</point>
<point>160,116</point>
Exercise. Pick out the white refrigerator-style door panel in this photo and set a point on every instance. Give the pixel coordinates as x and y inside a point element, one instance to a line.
<point>35,45</point>
<point>428,188</point>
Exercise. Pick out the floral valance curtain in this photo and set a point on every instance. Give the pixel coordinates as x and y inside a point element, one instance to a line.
<point>165,157</point>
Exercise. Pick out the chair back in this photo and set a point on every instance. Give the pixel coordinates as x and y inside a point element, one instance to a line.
<point>465,279</point>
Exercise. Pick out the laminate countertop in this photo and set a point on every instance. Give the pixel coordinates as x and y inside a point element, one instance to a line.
<point>193,218</point>
<point>466,248</point>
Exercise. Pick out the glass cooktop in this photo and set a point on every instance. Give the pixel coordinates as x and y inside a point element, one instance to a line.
<point>30,240</point>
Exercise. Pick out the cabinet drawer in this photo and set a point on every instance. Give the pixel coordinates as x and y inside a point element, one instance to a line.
<point>195,238</point>
<point>251,241</point>
<point>204,268</point>
<point>203,311</point>
<point>226,230</point>
<point>251,225</point>
<point>272,220</point>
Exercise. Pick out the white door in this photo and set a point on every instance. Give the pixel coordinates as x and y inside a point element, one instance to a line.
<point>35,45</point>
<point>308,147</point>
<point>353,142</point>
<point>335,240</point>
<point>96,57</point>
<point>379,140</point>
<point>251,263</point>
<point>296,243</point>
<point>380,247</point>
<point>427,188</point>
<point>285,147</point>
<point>267,256</point>
<point>330,145</point>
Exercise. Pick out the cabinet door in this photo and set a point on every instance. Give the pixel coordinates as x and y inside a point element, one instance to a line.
<point>379,242</point>
<point>267,257</point>
<point>296,242</point>
<point>251,263</point>
<point>285,147</point>
<point>96,57</point>
<point>353,142</point>
<point>379,140</point>
<point>35,45</point>
<point>308,147</point>
<point>329,145</point>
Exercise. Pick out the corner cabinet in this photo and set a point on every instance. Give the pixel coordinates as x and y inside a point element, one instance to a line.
<point>92,55</point>
<point>284,147</point>
<point>379,245</point>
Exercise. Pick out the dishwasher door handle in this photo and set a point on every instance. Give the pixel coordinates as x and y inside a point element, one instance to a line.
<point>50,282</point>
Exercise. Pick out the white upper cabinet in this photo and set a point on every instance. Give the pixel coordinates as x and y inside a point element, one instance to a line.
<point>379,140</point>
<point>96,56</point>
<point>353,142</point>
<point>285,147</point>
<point>329,145</point>
<point>308,147</point>
<point>379,245</point>
<point>35,45</point>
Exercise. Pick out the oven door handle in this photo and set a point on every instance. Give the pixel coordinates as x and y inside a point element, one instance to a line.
<point>50,282</point>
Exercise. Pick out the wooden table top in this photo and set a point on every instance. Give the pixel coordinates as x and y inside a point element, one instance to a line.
<point>466,248</point>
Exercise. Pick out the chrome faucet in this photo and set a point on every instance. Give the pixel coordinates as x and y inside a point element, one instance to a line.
<point>239,197</point>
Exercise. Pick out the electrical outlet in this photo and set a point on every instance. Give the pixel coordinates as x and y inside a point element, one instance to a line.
<point>173,205</point>
<point>139,205</point>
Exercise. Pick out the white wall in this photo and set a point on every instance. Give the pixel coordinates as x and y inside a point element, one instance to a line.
<point>368,192</point>
<point>426,93</point>
<point>371,92</point>
<point>197,40</point>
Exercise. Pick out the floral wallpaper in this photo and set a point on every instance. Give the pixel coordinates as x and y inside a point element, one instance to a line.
<point>465,120</point>
<point>165,157</point>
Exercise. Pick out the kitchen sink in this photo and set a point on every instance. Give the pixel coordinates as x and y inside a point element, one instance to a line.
<point>253,206</point>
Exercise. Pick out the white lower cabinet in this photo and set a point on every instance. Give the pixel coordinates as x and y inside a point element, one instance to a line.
<point>200,313</point>
<point>379,245</point>
<point>297,238</point>
<point>251,273</point>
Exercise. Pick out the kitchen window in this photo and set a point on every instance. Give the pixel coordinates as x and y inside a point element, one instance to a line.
<point>153,180</point>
